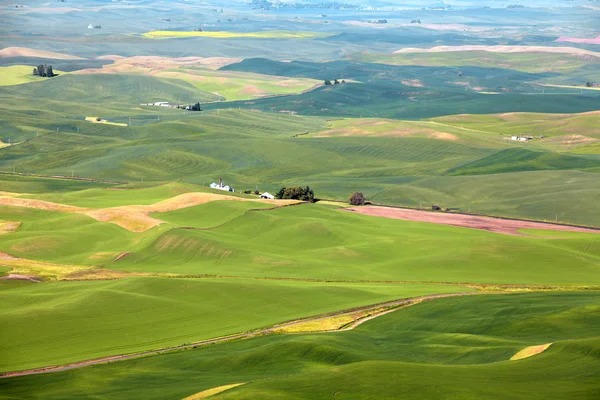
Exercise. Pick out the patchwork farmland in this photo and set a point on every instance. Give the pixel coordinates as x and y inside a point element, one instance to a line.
<point>382,232</point>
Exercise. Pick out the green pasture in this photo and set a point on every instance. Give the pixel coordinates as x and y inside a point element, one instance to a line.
<point>18,74</point>
<point>306,242</point>
<point>438,349</point>
<point>41,185</point>
<point>249,149</point>
<point>312,241</point>
<point>241,85</point>
<point>67,238</point>
<point>84,320</point>
<point>534,62</point>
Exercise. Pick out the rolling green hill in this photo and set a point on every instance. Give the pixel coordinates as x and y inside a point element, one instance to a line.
<point>301,242</point>
<point>84,320</point>
<point>439,349</point>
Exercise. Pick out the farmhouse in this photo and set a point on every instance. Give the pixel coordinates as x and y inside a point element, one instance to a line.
<point>520,138</point>
<point>220,186</point>
<point>267,195</point>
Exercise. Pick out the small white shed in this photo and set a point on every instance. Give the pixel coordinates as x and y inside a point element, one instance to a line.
<point>267,195</point>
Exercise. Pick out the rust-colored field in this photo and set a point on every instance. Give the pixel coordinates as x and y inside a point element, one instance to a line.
<point>26,52</point>
<point>504,226</point>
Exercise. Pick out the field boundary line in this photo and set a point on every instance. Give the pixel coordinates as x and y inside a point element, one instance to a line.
<point>394,304</point>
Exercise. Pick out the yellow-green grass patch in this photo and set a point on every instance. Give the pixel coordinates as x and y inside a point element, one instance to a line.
<point>9,226</point>
<point>332,323</point>
<point>18,74</point>
<point>211,392</point>
<point>97,120</point>
<point>530,351</point>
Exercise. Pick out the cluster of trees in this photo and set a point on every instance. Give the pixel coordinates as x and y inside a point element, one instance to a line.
<point>296,193</point>
<point>357,199</point>
<point>194,107</point>
<point>415,21</point>
<point>335,82</point>
<point>44,70</point>
<point>256,192</point>
<point>591,84</point>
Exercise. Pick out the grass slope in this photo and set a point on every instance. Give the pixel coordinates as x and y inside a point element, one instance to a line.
<point>54,323</point>
<point>320,242</point>
<point>306,242</point>
<point>439,349</point>
<point>210,214</point>
<point>532,61</point>
<point>18,74</point>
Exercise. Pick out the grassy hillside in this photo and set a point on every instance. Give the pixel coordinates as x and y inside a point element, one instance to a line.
<point>209,215</point>
<point>113,317</point>
<point>460,346</point>
<point>532,61</point>
<point>18,74</point>
<point>516,160</point>
<point>302,242</point>
<point>202,74</point>
<point>319,242</point>
<point>105,89</point>
<point>392,162</point>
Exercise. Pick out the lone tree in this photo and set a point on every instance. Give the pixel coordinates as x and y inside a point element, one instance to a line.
<point>196,107</point>
<point>357,199</point>
<point>327,82</point>
<point>296,193</point>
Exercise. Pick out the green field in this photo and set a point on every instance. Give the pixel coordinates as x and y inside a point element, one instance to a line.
<point>302,242</point>
<point>18,74</point>
<point>392,162</point>
<point>130,278</point>
<point>531,61</point>
<point>438,349</point>
<point>209,215</point>
<point>107,318</point>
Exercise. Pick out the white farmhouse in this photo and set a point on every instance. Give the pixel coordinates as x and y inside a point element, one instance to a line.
<point>220,186</point>
<point>267,195</point>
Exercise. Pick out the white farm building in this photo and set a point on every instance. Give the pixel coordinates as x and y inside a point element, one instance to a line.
<point>220,186</point>
<point>267,195</point>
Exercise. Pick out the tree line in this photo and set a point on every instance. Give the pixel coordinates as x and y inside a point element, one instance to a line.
<point>296,193</point>
<point>44,70</point>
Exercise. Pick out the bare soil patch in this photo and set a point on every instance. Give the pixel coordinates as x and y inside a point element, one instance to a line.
<point>19,277</point>
<point>595,40</point>
<point>9,226</point>
<point>26,52</point>
<point>38,204</point>
<point>504,226</point>
<point>135,218</point>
